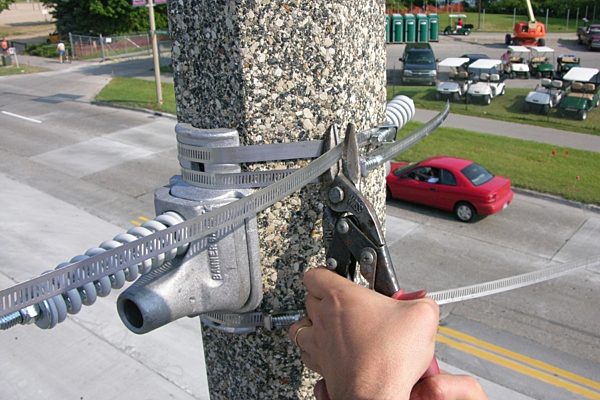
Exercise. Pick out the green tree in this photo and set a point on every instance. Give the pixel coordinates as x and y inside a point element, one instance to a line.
<point>107,17</point>
<point>4,4</point>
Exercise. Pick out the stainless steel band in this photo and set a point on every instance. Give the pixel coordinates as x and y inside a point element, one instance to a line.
<point>248,322</point>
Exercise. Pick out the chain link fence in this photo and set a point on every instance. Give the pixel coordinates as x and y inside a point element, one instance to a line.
<point>111,47</point>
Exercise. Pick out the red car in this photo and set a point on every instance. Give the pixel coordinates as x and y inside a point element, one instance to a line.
<point>451,184</point>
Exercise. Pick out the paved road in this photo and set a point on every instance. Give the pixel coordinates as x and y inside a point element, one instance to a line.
<point>76,174</point>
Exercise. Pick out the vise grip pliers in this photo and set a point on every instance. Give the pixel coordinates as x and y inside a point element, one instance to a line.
<point>351,229</point>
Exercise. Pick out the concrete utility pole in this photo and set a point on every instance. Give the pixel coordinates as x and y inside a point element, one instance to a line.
<point>278,71</point>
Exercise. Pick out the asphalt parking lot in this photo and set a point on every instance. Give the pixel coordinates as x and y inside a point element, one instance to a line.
<point>493,45</point>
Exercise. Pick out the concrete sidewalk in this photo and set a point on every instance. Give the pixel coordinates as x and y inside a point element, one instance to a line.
<point>580,141</point>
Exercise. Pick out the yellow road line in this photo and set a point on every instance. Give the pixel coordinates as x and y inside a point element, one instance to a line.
<point>136,223</point>
<point>142,218</point>
<point>523,369</point>
<point>520,357</point>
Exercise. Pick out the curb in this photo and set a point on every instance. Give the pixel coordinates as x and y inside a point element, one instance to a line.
<point>556,199</point>
<point>143,110</point>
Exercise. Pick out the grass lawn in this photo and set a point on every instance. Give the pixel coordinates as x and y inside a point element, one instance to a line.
<point>504,22</point>
<point>506,108</point>
<point>569,173</point>
<point>138,93</point>
<point>23,69</point>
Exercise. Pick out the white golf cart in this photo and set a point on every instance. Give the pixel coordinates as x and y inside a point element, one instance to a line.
<point>458,79</point>
<point>518,66</point>
<point>547,95</point>
<point>489,84</point>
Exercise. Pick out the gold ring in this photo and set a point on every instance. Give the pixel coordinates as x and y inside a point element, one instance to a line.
<point>297,333</point>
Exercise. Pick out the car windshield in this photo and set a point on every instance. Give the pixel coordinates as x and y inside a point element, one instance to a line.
<point>398,171</point>
<point>477,174</point>
<point>420,58</point>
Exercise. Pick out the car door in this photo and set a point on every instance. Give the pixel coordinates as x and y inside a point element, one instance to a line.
<point>412,185</point>
<point>447,191</point>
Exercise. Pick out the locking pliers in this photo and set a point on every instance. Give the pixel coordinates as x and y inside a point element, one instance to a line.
<point>352,232</point>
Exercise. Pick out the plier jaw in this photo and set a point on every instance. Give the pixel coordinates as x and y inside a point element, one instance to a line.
<point>352,232</point>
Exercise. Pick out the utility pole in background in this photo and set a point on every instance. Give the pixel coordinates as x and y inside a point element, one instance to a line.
<point>154,41</point>
<point>155,54</point>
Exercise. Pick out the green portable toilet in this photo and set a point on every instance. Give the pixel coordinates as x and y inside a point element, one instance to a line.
<point>388,28</point>
<point>434,27</point>
<point>398,22</point>
<point>410,28</point>
<point>422,28</point>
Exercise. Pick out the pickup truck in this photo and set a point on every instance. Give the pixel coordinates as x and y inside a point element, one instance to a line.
<point>590,36</point>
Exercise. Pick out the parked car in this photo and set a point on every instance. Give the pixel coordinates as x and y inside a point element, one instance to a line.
<point>452,184</point>
<point>420,64</point>
<point>589,35</point>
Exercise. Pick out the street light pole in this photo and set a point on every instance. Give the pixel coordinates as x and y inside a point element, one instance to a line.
<point>155,54</point>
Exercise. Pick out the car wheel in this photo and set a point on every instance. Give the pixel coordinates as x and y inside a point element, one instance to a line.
<point>487,100</point>
<point>464,212</point>
<point>582,115</point>
<point>542,42</point>
<point>388,193</point>
<point>456,96</point>
<point>507,39</point>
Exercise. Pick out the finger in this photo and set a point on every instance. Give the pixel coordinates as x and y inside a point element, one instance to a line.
<point>297,325</point>
<point>301,334</point>
<point>320,390</point>
<point>320,281</point>
<point>448,387</point>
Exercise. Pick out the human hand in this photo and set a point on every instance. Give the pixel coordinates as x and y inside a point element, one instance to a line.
<point>365,345</point>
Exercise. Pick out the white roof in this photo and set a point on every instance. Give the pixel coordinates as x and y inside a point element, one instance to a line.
<point>580,74</point>
<point>541,49</point>
<point>485,63</point>
<point>519,49</point>
<point>453,62</point>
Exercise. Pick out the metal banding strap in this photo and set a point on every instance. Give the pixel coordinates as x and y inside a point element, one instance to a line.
<point>259,179</point>
<point>248,322</point>
<point>510,283</point>
<point>133,253</point>
<point>250,154</point>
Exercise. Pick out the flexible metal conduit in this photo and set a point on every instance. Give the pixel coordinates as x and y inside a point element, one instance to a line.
<point>55,309</point>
